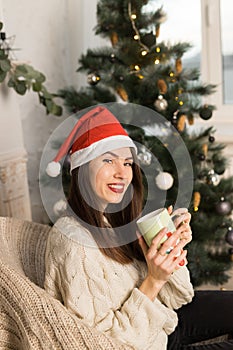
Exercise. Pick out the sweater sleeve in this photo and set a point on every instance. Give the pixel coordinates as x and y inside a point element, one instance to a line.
<point>178,290</point>
<point>74,273</point>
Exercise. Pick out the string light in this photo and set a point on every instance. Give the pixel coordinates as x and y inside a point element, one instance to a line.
<point>136,67</point>
<point>171,74</point>
<point>181,103</point>
<point>137,37</point>
<point>158,49</point>
<point>157,61</point>
<point>144,52</point>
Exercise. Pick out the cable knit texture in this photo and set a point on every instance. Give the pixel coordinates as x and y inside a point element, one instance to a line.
<point>105,294</point>
<point>30,319</point>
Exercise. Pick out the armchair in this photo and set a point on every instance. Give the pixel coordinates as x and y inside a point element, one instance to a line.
<point>29,317</point>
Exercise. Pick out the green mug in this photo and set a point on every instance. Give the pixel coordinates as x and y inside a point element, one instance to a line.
<point>149,225</point>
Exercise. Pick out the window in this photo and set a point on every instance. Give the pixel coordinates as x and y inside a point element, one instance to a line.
<point>227,50</point>
<point>217,55</point>
<point>181,25</point>
<point>208,26</point>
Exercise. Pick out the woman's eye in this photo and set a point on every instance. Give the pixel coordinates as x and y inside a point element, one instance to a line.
<point>109,161</point>
<point>128,164</point>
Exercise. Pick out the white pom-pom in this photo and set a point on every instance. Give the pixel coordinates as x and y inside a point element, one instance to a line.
<point>164,181</point>
<point>53,169</point>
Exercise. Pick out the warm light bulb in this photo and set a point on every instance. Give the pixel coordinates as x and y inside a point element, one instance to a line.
<point>144,53</point>
<point>140,76</point>
<point>157,61</point>
<point>158,49</point>
<point>136,37</point>
<point>181,103</point>
<point>136,67</point>
<point>171,74</point>
<point>133,16</point>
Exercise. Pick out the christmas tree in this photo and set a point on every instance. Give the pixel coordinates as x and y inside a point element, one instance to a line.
<point>137,68</point>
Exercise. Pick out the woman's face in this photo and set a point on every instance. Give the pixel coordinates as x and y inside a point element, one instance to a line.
<point>110,175</point>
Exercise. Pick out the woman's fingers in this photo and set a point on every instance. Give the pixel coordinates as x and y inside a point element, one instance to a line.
<point>169,209</point>
<point>181,219</point>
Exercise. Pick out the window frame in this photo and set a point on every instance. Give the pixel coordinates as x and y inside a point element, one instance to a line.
<point>211,60</point>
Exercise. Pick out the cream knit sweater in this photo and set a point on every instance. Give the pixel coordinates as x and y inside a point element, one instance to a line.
<point>105,293</point>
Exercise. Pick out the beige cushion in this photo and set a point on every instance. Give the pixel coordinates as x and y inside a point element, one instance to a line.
<point>29,317</point>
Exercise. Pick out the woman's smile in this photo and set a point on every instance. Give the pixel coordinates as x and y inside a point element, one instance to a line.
<point>117,187</point>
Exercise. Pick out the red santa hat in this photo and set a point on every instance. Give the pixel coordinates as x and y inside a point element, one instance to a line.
<point>95,133</point>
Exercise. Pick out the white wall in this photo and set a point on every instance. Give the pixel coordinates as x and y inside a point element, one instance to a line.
<point>50,35</point>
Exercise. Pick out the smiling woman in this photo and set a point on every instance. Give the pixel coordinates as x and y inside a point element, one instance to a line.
<point>99,266</point>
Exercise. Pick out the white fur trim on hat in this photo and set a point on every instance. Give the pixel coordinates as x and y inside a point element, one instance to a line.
<point>95,150</point>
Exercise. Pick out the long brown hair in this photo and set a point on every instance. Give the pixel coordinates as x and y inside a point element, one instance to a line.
<point>122,216</point>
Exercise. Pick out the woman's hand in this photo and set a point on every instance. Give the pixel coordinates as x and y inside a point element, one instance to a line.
<point>182,217</point>
<point>160,263</point>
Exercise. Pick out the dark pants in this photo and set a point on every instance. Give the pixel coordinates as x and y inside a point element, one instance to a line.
<point>209,315</point>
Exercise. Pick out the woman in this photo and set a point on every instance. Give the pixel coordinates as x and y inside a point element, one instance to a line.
<point>95,263</point>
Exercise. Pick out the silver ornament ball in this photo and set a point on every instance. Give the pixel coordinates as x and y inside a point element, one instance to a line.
<point>164,181</point>
<point>161,104</point>
<point>144,156</point>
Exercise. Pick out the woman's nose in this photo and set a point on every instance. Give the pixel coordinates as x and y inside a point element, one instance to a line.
<point>120,170</point>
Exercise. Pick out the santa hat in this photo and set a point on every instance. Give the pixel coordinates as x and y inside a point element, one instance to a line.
<point>95,133</point>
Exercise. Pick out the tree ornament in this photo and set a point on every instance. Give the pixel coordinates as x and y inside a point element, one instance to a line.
<point>191,119</point>
<point>114,38</point>
<point>162,86</point>
<point>219,168</point>
<point>231,253</point>
<point>59,207</point>
<point>148,39</point>
<point>122,93</point>
<point>181,122</point>
<point>161,104</point>
<point>211,138</point>
<point>164,181</point>
<point>205,112</point>
<point>229,236</point>
<point>205,149</point>
<point>93,78</point>
<point>196,200</point>
<point>223,207</point>
<point>212,178</point>
<point>144,156</point>
<point>201,157</point>
<point>178,65</point>
<point>157,30</point>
